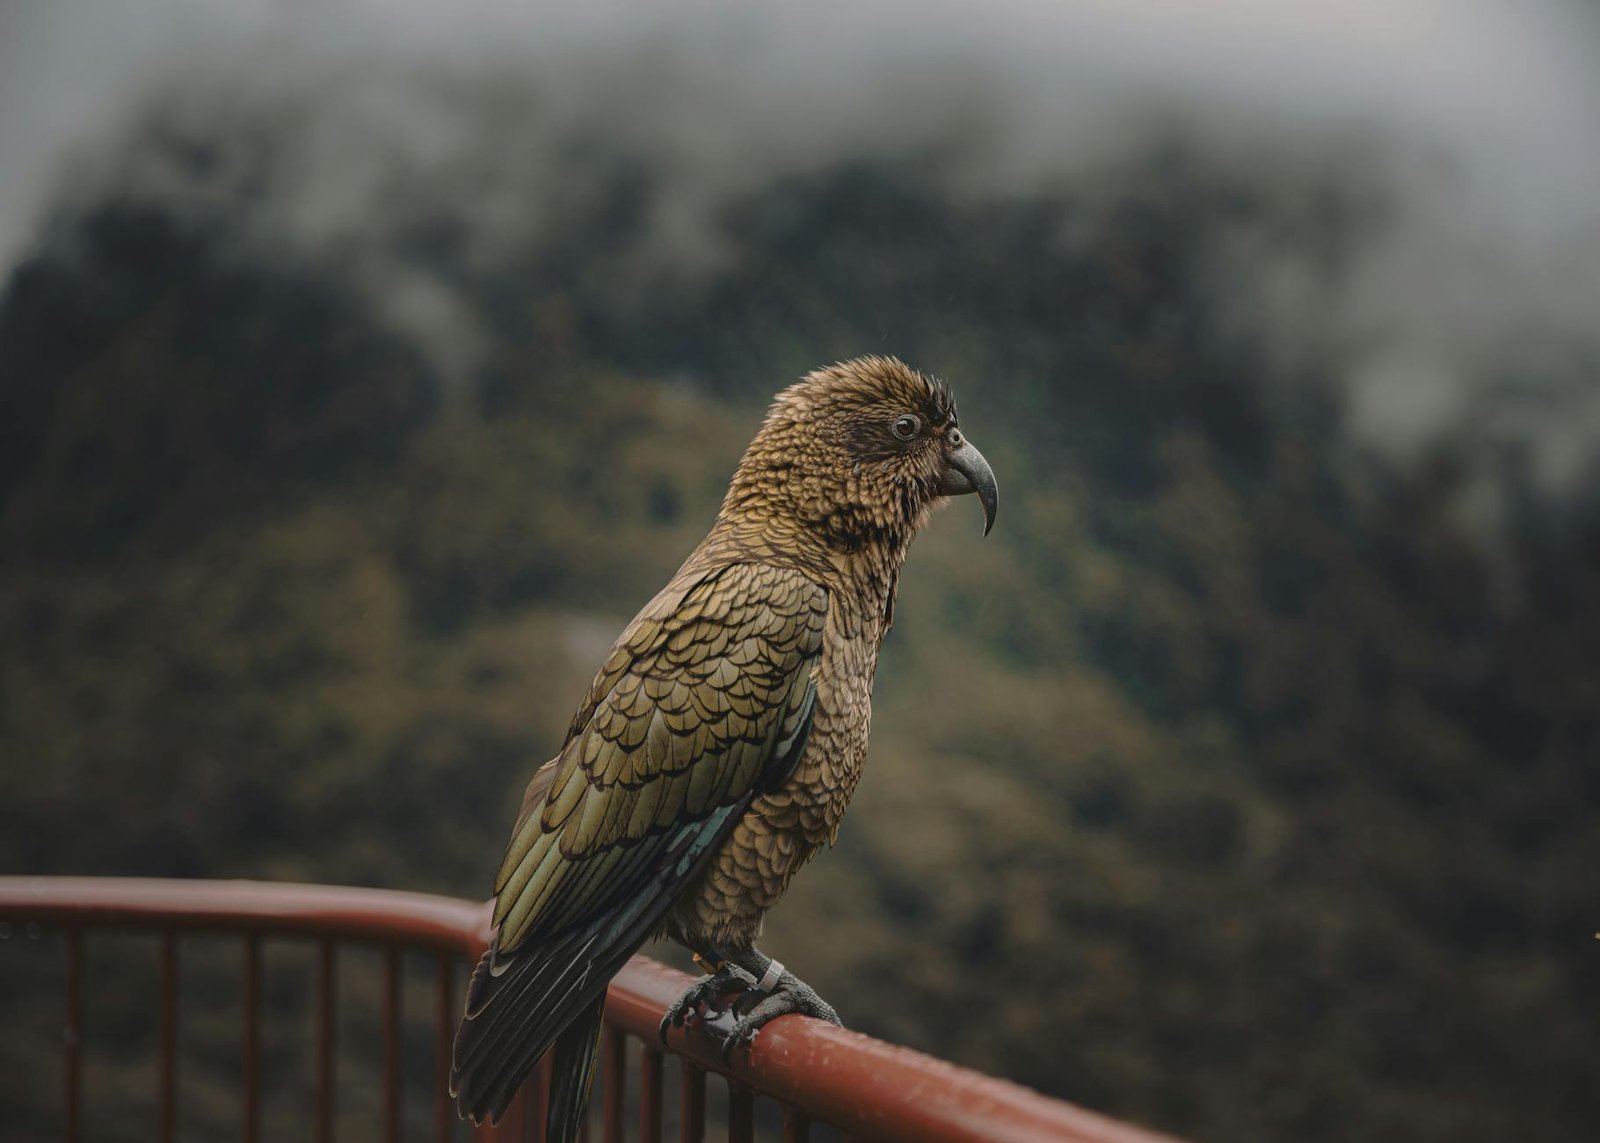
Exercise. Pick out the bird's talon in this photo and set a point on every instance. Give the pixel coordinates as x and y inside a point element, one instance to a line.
<point>752,1011</point>
<point>743,1036</point>
<point>745,1002</point>
<point>698,999</point>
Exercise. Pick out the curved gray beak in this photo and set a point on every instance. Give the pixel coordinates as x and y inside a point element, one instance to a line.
<point>965,471</point>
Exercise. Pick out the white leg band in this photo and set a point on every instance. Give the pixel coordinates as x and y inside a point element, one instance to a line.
<point>770,978</point>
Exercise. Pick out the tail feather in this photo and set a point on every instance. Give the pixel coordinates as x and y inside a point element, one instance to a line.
<point>548,992</point>
<point>517,1006</point>
<point>519,1003</point>
<point>576,1051</point>
<point>521,995</point>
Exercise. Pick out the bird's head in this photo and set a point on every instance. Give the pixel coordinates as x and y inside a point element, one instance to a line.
<point>858,453</point>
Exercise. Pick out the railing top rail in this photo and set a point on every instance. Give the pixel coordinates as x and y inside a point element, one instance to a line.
<point>866,1087</point>
<point>869,1088</point>
<point>423,920</point>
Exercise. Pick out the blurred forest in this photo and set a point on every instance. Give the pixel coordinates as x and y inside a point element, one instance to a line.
<point>1233,785</point>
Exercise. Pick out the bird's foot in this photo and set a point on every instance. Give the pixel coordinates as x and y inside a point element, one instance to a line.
<point>756,1009</point>
<point>729,977</point>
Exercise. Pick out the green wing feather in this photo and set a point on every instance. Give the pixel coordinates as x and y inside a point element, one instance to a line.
<point>682,719</point>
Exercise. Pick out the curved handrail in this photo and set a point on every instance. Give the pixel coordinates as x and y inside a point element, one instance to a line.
<point>265,908</point>
<point>864,1086</point>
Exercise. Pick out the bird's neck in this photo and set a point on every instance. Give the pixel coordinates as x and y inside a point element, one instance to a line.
<point>857,560</point>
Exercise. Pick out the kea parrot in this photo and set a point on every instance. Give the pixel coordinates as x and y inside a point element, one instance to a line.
<point>719,744</point>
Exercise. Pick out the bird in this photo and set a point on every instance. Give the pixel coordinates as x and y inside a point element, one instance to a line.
<point>720,742</point>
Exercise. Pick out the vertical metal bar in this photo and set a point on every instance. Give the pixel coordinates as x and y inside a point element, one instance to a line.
<point>650,1065</point>
<point>547,1078</point>
<point>169,1037</point>
<point>252,1039</point>
<point>72,1033</point>
<point>796,1126</point>
<point>614,1053</point>
<point>391,1044</point>
<point>445,1017</point>
<point>533,1114</point>
<point>692,1128</point>
<point>326,1032</point>
<point>741,1113</point>
<point>513,1125</point>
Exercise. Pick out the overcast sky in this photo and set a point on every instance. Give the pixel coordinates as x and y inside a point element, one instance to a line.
<point>1508,88</point>
<point>1490,108</point>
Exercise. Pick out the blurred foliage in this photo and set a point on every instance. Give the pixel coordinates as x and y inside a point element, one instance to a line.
<point>1221,788</point>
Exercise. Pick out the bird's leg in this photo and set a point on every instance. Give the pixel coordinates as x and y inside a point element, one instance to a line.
<point>722,976</point>
<point>774,992</point>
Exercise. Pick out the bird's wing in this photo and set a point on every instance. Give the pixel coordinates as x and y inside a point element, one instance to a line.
<point>641,636</point>
<point>705,702</point>
<point>692,707</point>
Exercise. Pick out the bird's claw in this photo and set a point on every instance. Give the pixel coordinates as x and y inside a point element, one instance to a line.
<point>729,978</point>
<point>790,995</point>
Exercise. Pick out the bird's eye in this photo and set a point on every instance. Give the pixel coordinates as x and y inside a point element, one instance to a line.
<point>906,427</point>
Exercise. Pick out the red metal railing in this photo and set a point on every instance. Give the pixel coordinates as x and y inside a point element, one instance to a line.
<point>866,1089</point>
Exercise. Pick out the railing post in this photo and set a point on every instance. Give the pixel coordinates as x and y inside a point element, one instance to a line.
<point>650,1068</point>
<point>692,1128</point>
<point>391,1044</point>
<point>72,1033</point>
<point>444,1113</point>
<point>547,1076</point>
<point>252,1039</point>
<point>169,1037</point>
<point>796,1126</point>
<point>741,1113</point>
<point>615,1080</point>
<point>326,1039</point>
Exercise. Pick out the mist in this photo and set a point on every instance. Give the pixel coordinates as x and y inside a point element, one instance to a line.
<point>1466,322</point>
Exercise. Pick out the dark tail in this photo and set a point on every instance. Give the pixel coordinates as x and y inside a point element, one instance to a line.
<point>575,1053</point>
<point>550,992</point>
<point>518,1006</point>
<point>485,1094</point>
